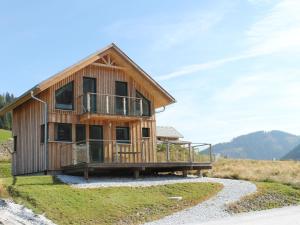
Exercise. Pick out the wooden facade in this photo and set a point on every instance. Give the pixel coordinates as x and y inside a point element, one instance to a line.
<point>107,67</point>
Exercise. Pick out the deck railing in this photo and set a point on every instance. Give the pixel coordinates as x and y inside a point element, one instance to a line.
<point>110,104</point>
<point>140,151</point>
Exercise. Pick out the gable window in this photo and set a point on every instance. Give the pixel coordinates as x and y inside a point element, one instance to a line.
<point>80,133</point>
<point>43,133</point>
<point>123,135</point>
<point>145,132</point>
<point>64,97</point>
<point>146,104</point>
<point>63,132</point>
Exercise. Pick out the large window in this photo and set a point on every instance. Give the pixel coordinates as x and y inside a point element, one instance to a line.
<point>64,97</point>
<point>123,135</point>
<point>63,132</point>
<point>146,104</point>
<point>80,134</point>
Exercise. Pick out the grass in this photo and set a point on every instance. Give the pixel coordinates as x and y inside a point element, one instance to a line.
<point>278,182</point>
<point>4,135</point>
<point>285,172</point>
<point>269,195</point>
<point>121,205</point>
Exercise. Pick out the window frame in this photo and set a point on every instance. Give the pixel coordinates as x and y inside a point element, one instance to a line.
<point>148,132</point>
<point>56,137</point>
<point>60,107</point>
<point>123,141</point>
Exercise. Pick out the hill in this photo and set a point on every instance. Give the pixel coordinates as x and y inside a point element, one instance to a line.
<point>293,155</point>
<point>259,145</point>
<point>5,135</point>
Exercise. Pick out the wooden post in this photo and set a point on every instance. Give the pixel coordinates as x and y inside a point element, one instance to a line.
<point>184,173</point>
<point>136,174</point>
<point>168,151</point>
<point>142,152</point>
<point>86,173</point>
<point>190,152</point>
<point>117,152</point>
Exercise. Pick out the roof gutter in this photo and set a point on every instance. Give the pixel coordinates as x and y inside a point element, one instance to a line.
<point>46,129</point>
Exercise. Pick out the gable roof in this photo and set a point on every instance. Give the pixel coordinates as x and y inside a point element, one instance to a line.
<point>81,64</point>
<point>168,132</point>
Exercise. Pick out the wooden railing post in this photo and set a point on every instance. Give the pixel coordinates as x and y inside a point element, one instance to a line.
<point>190,152</point>
<point>168,151</point>
<point>117,152</point>
<point>107,104</point>
<point>88,151</point>
<point>143,151</point>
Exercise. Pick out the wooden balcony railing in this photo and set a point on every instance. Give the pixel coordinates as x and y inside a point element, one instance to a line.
<point>110,104</point>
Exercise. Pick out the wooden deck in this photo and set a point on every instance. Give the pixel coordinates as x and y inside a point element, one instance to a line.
<point>135,168</point>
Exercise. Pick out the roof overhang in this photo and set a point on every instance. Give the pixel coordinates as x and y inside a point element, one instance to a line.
<point>165,100</point>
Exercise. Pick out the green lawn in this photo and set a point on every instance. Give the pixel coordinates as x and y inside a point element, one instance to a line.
<point>122,205</point>
<point>269,195</point>
<point>4,135</point>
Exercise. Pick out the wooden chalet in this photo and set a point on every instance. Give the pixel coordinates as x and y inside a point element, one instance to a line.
<point>98,114</point>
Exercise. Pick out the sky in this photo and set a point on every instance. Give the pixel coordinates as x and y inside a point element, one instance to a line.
<point>233,66</point>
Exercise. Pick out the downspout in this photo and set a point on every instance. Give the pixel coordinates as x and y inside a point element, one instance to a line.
<point>46,129</point>
<point>162,110</point>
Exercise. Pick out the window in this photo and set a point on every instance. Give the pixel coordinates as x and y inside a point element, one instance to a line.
<point>146,104</point>
<point>15,143</point>
<point>43,133</point>
<point>64,97</point>
<point>80,133</point>
<point>63,132</point>
<point>145,132</point>
<point>122,135</point>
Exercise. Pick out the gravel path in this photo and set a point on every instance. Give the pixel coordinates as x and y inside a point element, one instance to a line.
<point>14,214</point>
<point>213,208</point>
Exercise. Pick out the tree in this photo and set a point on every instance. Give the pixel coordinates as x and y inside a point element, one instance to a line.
<point>6,120</point>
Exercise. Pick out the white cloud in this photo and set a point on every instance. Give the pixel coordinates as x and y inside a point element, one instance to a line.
<point>277,31</point>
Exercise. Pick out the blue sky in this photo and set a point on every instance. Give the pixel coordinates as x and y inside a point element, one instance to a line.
<point>233,66</point>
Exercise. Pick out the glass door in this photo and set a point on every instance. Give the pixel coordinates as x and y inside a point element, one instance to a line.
<point>121,91</point>
<point>96,143</point>
<point>89,86</point>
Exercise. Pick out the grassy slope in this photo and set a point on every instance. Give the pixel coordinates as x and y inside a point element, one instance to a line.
<point>278,182</point>
<point>285,172</point>
<point>269,195</point>
<point>66,205</point>
<point>4,135</point>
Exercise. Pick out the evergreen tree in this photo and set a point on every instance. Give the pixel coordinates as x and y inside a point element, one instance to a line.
<point>6,120</point>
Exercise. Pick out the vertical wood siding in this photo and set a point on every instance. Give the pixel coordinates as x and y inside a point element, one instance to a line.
<point>28,118</point>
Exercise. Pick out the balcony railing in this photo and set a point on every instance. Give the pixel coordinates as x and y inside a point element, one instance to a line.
<point>110,104</point>
<point>140,151</point>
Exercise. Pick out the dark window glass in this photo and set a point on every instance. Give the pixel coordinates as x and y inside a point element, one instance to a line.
<point>146,104</point>
<point>89,86</point>
<point>15,143</point>
<point>121,90</point>
<point>123,135</point>
<point>43,133</point>
<point>80,133</point>
<point>146,132</point>
<point>63,132</point>
<point>64,97</point>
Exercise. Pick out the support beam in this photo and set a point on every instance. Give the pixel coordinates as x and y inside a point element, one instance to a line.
<point>184,173</point>
<point>108,66</point>
<point>198,173</point>
<point>136,174</point>
<point>86,173</point>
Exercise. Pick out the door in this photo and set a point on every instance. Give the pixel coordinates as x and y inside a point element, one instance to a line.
<point>96,143</point>
<point>89,86</point>
<point>120,91</point>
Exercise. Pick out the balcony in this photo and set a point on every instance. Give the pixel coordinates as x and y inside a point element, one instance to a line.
<point>108,107</point>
